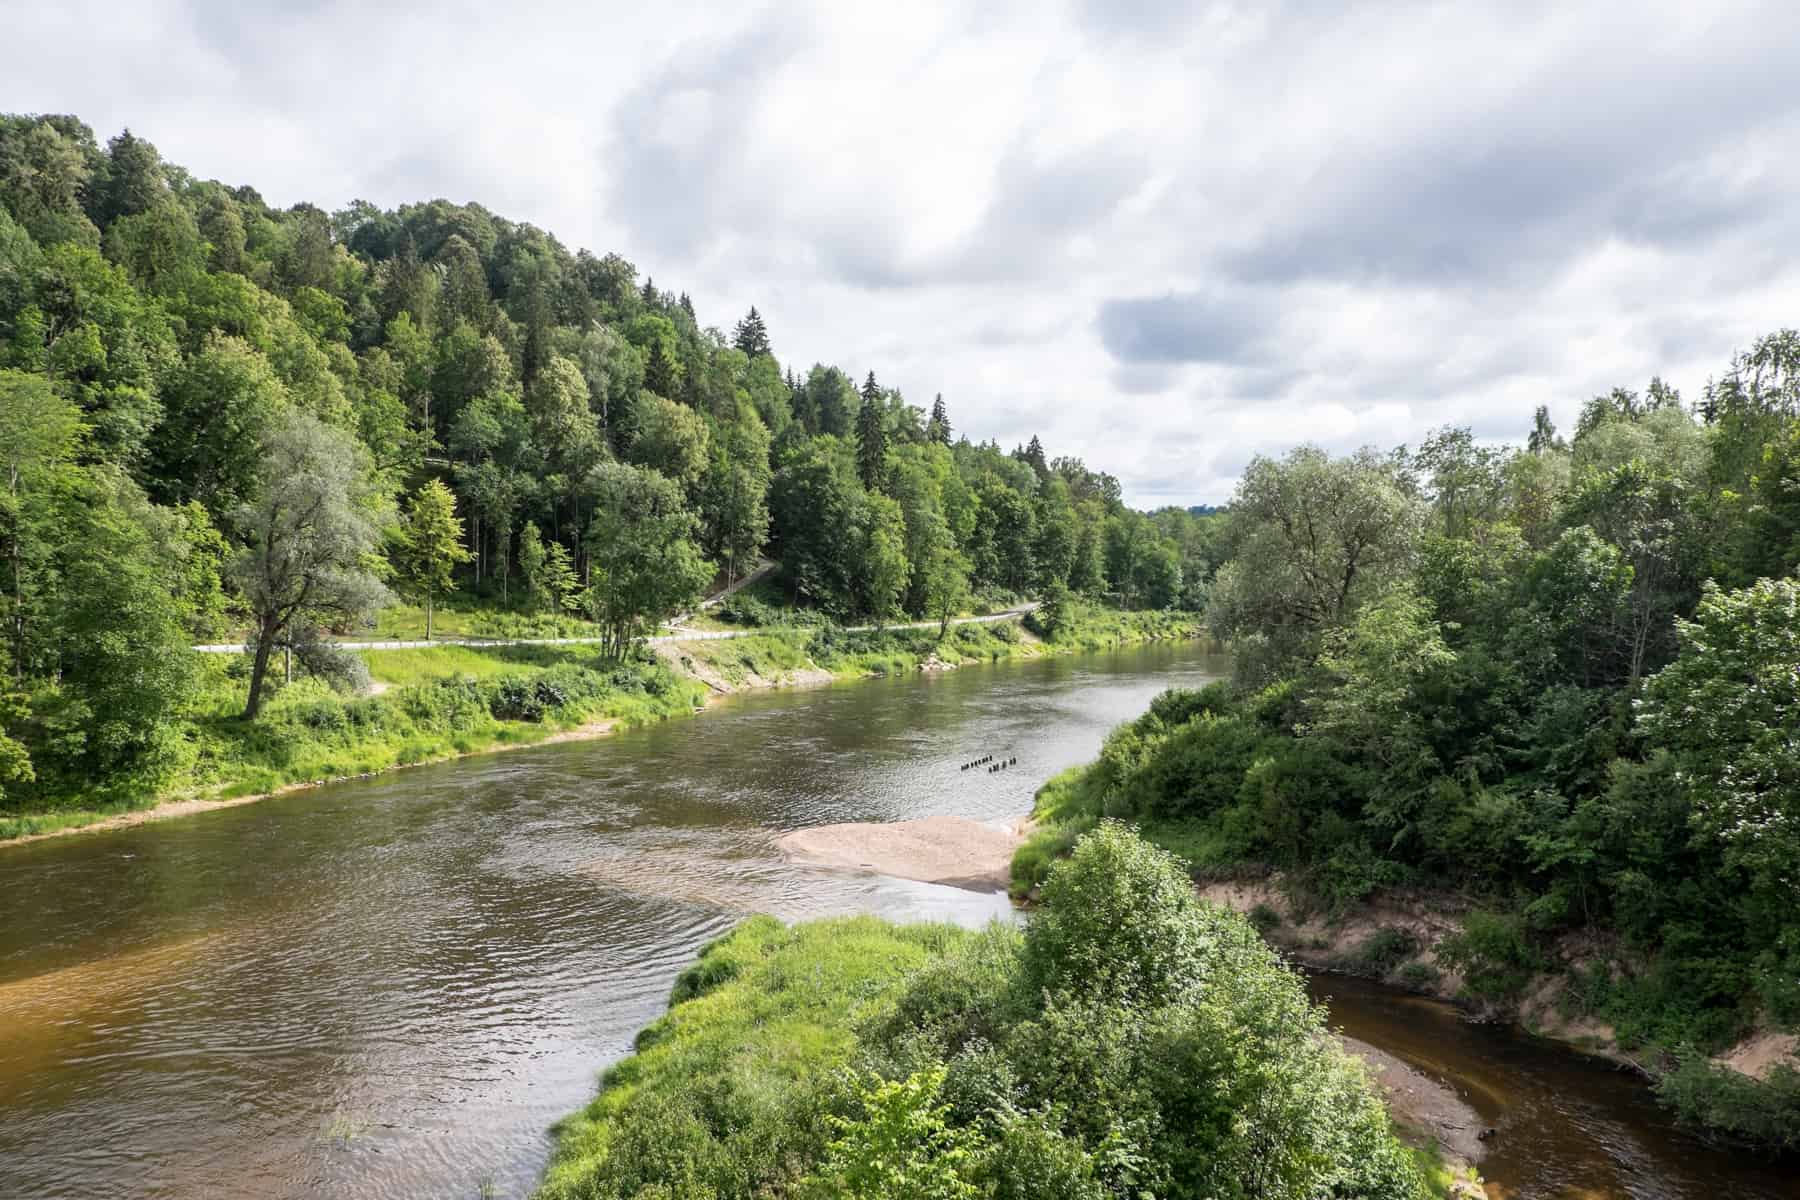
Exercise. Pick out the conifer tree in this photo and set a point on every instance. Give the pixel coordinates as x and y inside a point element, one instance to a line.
<point>1033,456</point>
<point>871,437</point>
<point>751,335</point>
<point>659,373</point>
<point>561,585</point>
<point>938,428</point>
<point>648,294</point>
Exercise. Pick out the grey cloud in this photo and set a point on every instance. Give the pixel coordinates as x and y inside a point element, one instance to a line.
<point>673,187</point>
<point>1141,379</point>
<point>1628,147</point>
<point>1187,327</point>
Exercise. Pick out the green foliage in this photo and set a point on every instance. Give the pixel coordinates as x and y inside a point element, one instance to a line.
<point>855,1058</point>
<point>1764,1113</point>
<point>896,1148</point>
<point>643,560</point>
<point>1120,923</point>
<point>313,529</point>
<point>429,544</point>
<point>1383,950</point>
<point>1728,709</point>
<point>1493,954</point>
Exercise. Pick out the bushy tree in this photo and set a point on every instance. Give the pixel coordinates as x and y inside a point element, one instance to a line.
<point>1728,709</point>
<point>429,546</point>
<point>311,534</point>
<point>642,557</point>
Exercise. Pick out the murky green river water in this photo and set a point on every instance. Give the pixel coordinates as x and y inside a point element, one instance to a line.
<point>391,988</point>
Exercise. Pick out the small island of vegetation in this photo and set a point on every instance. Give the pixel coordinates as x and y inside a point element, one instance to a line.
<point>1130,1040</point>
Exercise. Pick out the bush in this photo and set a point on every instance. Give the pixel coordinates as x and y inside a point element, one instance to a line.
<point>1383,950</point>
<point>1492,954</point>
<point>1760,1112</point>
<point>1121,920</point>
<point>1419,975</point>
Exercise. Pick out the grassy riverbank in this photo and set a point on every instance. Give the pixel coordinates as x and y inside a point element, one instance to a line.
<point>1130,1040</point>
<point>1209,777</point>
<point>420,706</point>
<point>427,704</point>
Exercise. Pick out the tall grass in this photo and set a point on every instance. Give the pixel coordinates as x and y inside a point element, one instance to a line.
<point>439,702</point>
<point>762,1029</point>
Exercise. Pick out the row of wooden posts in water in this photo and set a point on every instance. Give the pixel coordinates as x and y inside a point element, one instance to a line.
<point>987,760</point>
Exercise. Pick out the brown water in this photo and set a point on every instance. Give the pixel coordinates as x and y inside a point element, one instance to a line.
<point>391,988</point>
<point>1565,1125</point>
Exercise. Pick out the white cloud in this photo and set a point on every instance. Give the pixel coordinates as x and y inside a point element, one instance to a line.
<point>1162,236</point>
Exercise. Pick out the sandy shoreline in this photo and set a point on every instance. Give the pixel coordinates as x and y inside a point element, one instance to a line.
<point>954,851</point>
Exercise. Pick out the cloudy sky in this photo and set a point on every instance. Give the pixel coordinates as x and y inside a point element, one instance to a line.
<point>1165,236</point>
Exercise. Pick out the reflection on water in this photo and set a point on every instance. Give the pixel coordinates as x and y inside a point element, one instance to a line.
<point>392,987</point>
<point>1566,1127</point>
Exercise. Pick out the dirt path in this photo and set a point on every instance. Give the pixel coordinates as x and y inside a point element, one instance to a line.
<point>955,851</point>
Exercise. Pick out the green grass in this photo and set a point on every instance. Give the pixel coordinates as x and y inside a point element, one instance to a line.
<point>1441,1178</point>
<point>440,702</point>
<point>761,1030</point>
<point>401,668</point>
<point>776,655</point>
<point>66,818</point>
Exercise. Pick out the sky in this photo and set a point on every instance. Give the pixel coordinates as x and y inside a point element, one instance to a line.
<point>1163,236</point>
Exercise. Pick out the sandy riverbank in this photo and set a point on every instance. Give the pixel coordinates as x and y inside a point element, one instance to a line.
<point>1425,1109</point>
<point>955,851</point>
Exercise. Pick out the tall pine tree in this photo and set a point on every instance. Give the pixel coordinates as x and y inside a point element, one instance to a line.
<point>871,437</point>
<point>937,429</point>
<point>659,373</point>
<point>751,335</point>
<point>1033,455</point>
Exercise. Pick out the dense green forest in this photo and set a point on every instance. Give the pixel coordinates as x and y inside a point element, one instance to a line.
<point>220,420</point>
<point>1130,1041</point>
<point>1561,681</point>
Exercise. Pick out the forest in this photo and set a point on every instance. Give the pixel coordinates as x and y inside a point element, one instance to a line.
<point>1554,685</point>
<point>225,421</point>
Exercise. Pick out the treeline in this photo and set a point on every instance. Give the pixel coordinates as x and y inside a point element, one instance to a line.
<point>1562,679</point>
<point>217,416</point>
<point>1128,1042</point>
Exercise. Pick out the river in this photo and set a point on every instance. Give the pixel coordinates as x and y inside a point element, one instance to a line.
<point>392,987</point>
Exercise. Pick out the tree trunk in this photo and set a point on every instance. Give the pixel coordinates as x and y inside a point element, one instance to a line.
<point>428,616</point>
<point>259,667</point>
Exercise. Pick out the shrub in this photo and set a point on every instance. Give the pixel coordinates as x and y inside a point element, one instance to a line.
<point>1418,975</point>
<point>1121,920</point>
<point>1493,955</point>
<point>1762,1112</point>
<point>1384,950</point>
